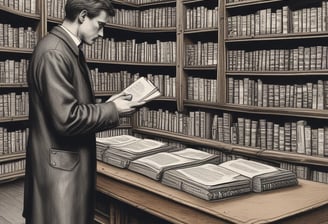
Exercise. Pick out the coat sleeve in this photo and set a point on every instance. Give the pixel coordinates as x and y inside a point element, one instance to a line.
<point>69,117</point>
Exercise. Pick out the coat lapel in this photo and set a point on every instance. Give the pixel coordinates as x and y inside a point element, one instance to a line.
<point>62,34</point>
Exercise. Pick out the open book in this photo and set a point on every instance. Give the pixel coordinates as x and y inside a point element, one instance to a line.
<point>141,90</point>
<point>154,165</point>
<point>120,154</point>
<point>207,181</point>
<point>235,177</point>
<point>264,177</point>
<point>104,143</point>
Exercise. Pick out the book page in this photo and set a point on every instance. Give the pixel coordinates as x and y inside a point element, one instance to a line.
<point>117,140</point>
<point>209,174</point>
<point>193,154</point>
<point>141,89</point>
<point>141,145</point>
<point>162,160</point>
<point>248,168</point>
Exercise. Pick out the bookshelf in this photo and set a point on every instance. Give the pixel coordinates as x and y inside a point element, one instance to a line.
<point>20,28</point>
<point>267,75</point>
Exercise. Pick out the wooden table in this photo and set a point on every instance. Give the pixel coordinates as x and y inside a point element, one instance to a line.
<point>305,203</point>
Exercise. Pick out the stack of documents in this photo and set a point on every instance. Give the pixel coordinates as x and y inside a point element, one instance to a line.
<point>264,177</point>
<point>235,177</point>
<point>102,144</point>
<point>120,155</point>
<point>207,181</point>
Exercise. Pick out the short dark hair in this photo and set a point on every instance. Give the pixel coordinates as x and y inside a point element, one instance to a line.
<point>93,7</point>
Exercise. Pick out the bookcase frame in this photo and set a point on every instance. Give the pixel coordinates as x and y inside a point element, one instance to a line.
<point>185,105</point>
<point>38,19</point>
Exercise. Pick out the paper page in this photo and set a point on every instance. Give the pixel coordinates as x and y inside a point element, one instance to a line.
<point>209,174</point>
<point>141,145</point>
<point>140,89</point>
<point>248,168</point>
<point>193,154</point>
<point>117,140</point>
<point>163,159</point>
<point>152,96</point>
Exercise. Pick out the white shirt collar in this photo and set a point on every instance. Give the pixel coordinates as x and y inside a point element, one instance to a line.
<point>76,40</point>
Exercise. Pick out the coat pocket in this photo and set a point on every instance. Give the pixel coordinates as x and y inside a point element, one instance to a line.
<point>62,159</point>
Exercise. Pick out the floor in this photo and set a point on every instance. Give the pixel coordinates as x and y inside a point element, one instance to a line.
<point>11,202</point>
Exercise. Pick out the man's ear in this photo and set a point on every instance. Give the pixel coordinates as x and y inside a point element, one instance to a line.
<point>82,16</point>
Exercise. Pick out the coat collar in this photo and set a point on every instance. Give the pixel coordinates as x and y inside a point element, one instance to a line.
<point>62,34</point>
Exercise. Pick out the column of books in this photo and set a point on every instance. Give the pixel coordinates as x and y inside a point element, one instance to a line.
<point>18,36</point>
<point>276,60</point>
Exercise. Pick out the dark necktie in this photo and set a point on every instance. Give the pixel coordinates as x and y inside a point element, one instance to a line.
<point>84,67</point>
<point>81,56</point>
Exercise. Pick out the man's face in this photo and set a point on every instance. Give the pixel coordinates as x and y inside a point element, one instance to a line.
<point>91,29</point>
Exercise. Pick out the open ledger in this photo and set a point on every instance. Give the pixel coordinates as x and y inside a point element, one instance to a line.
<point>120,154</point>
<point>104,143</point>
<point>141,90</point>
<point>235,177</point>
<point>154,165</point>
<point>264,177</point>
<point>207,181</point>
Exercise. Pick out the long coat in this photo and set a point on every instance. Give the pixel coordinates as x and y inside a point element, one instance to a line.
<point>61,156</point>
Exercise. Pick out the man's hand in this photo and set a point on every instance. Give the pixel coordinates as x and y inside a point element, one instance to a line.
<point>124,103</point>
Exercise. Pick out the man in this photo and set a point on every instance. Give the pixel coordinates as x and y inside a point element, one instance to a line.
<point>61,151</point>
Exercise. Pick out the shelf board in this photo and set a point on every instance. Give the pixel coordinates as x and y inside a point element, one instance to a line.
<point>154,3</point>
<point>248,3</point>
<point>100,218</point>
<point>13,85</point>
<point>204,67</point>
<point>123,126</point>
<point>12,156</point>
<point>278,37</point>
<point>13,119</point>
<point>229,148</point>
<point>142,30</point>
<point>191,1</point>
<point>200,30</point>
<point>14,175</point>
<point>278,73</point>
<point>16,50</point>
<point>292,112</point>
<point>19,13</point>
<point>51,19</point>
<point>99,61</point>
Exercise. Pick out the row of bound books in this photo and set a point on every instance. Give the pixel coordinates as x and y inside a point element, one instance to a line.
<point>190,170</point>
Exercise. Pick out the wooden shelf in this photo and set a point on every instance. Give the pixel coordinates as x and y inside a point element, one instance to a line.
<point>12,176</point>
<point>205,67</point>
<point>13,85</point>
<point>101,219</point>
<point>16,50</point>
<point>142,30</point>
<point>278,73</point>
<point>204,30</point>
<point>248,3</point>
<point>13,119</point>
<point>278,37</point>
<point>128,63</point>
<point>166,2</point>
<point>236,149</point>
<point>292,112</point>
<point>12,156</point>
<point>19,13</point>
